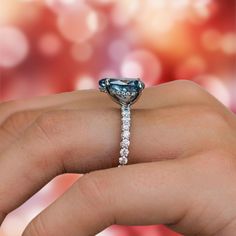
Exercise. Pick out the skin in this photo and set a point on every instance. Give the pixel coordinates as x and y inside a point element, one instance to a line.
<point>181,173</point>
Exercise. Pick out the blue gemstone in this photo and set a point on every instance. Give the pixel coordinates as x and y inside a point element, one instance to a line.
<point>123,91</point>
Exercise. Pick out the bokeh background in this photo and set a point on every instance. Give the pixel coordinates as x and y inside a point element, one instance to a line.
<point>53,46</point>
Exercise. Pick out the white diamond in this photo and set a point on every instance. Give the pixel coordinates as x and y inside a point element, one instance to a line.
<point>125,127</point>
<point>125,114</point>
<point>126,122</point>
<point>124,152</point>
<point>125,134</point>
<point>126,119</point>
<point>123,108</point>
<point>125,143</point>
<point>123,160</point>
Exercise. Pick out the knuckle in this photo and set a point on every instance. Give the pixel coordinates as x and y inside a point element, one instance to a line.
<point>92,187</point>
<point>186,84</point>
<point>53,123</point>
<point>212,116</point>
<point>48,122</point>
<point>189,89</point>
<point>221,163</point>
<point>17,120</point>
<point>46,130</point>
<point>49,126</point>
<point>36,228</point>
<point>42,129</point>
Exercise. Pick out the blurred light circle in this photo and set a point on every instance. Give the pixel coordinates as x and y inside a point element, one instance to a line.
<point>102,2</point>
<point>124,11</point>
<point>64,6</point>
<point>215,86</point>
<point>201,11</point>
<point>167,23</point>
<point>153,23</point>
<point>158,4</point>
<point>79,26</point>
<point>108,73</point>
<point>118,49</point>
<point>14,47</point>
<point>180,4</point>
<point>14,225</point>
<point>50,44</point>
<point>193,66</point>
<point>228,43</point>
<point>85,82</point>
<point>82,52</point>
<point>132,69</point>
<point>211,39</point>
<point>102,21</point>
<point>142,64</point>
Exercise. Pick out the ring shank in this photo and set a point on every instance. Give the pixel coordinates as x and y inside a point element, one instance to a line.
<point>125,134</point>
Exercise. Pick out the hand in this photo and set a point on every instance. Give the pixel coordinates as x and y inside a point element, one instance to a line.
<point>184,138</point>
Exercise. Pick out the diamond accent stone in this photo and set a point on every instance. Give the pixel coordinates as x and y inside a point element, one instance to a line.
<point>124,152</point>
<point>125,108</point>
<point>126,122</point>
<point>125,127</point>
<point>123,160</point>
<point>125,134</point>
<point>125,143</point>
<point>125,114</point>
<point>125,119</point>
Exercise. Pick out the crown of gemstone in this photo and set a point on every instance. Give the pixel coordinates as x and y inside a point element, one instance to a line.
<point>122,91</point>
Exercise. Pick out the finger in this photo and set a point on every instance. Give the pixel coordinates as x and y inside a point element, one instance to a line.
<point>18,115</point>
<point>37,157</point>
<point>86,140</point>
<point>143,194</point>
<point>11,107</point>
<point>167,94</point>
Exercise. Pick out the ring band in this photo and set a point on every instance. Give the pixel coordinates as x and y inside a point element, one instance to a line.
<point>125,92</point>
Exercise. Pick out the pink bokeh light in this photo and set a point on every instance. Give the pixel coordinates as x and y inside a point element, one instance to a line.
<point>53,46</point>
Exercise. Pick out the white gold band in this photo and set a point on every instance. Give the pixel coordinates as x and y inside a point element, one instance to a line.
<point>125,134</point>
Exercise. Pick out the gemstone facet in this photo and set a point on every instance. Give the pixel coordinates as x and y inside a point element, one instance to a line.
<point>123,160</point>
<point>122,91</point>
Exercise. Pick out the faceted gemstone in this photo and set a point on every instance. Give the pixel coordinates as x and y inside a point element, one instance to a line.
<point>126,119</point>
<point>125,134</point>
<point>123,160</point>
<point>124,152</point>
<point>123,91</point>
<point>125,127</point>
<point>125,114</point>
<point>125,108</point>
<point>125,143</point>
<point>126,122</point>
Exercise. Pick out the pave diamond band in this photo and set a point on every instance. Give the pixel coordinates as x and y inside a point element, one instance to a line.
<point>125,134</point>
<point>124,92</point>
